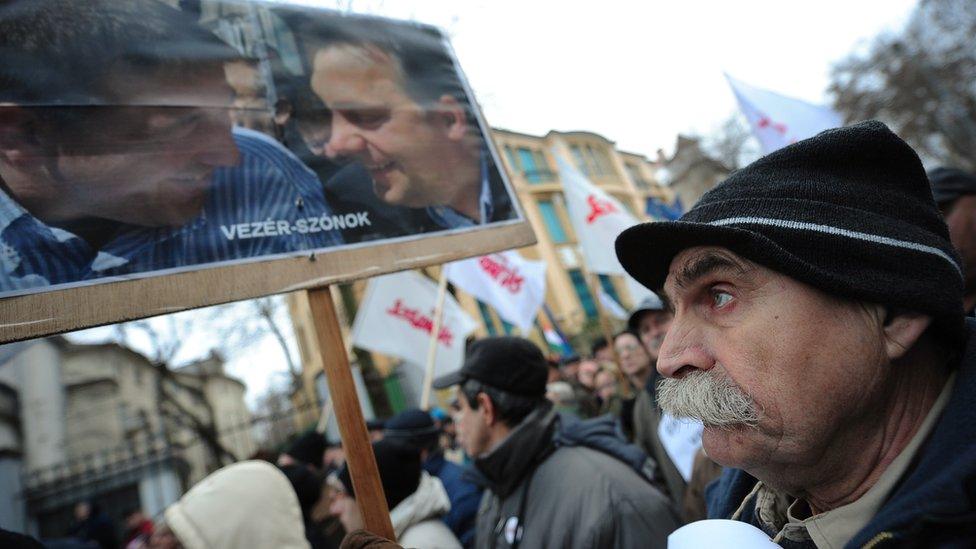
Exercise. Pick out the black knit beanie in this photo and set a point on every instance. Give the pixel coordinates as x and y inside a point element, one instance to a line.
<point>848,211</point>
<point>399,468</point>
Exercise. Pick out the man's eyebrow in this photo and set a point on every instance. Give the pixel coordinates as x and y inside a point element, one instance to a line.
<point>700,267</point>
<point>356,105</point>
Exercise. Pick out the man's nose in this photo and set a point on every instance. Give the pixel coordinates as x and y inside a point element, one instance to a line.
<point>345,139</point>
<point>683,349</point>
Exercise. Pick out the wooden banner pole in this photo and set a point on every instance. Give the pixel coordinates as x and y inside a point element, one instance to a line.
<point>352,426</point>
<point>435,331</point>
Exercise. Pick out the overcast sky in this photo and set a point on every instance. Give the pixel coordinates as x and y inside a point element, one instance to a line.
<point>636,73</point>
<point>640,72</point>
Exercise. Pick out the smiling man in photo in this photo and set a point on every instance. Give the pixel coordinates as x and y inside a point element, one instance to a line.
<point>399,109</point>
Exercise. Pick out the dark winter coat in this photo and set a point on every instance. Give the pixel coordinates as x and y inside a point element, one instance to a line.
<point>556,482</point>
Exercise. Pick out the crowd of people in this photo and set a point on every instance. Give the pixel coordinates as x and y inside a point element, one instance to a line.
<point>820,342</point>
<point>494,466</point>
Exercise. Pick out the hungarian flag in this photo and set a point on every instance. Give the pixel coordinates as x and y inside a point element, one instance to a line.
<point>557,344</point>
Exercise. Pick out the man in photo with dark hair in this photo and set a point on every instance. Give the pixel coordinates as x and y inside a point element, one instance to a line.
<point>117,154</point>
<point>551,482</point>
<point>819,336</point>
<point>399,109</point>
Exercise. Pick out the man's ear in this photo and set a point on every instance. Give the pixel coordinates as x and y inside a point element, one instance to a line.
<point>901,332</point>
<point>487,408</point>
<point>19,142</point>
<point>453,116</point>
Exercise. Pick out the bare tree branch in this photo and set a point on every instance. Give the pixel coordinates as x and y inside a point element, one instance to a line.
<point>921,82</point>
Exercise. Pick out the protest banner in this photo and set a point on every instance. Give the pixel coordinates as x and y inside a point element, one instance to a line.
<point>515,287</point>
<point>777,120</point>
<point>174,193</point>
<point>160,158</point>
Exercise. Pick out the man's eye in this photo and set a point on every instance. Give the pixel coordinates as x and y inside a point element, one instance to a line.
<point>721,299</point>
<point>368,117</point>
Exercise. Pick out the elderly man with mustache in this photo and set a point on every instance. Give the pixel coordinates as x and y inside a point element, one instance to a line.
<point>819,335</point>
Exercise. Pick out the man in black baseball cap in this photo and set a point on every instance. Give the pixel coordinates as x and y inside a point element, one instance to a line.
<point>541,493</point>
<point>493,361</point>
<point>954,191</point>
<point>819,336</point>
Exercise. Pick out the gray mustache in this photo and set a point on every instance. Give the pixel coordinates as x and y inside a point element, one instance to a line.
<point>708,396</point>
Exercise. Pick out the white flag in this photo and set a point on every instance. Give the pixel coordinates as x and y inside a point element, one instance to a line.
<point>396,317</point>
<point>597,219</point>
<point>514,286</point>
<point>777,120</point>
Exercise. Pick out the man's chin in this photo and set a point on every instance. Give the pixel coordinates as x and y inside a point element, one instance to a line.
<point>727,445</point>
<point>389,194</point>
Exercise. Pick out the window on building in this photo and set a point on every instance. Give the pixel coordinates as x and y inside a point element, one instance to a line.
<point>486,318</point>
<point>540,160</point>
<point>607,284</point>
<point>553,224</point>
<point>511,159</point>
<point>597,168</point>
<point>635,174</point>
<point>579,159</point>
<point>599,160</point>
<point>583,292</point>
<point>604,159</point>
<point>529,168</point>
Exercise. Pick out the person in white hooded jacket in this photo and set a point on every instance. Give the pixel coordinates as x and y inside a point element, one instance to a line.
<point>416,499</point>
<point>247,504</point>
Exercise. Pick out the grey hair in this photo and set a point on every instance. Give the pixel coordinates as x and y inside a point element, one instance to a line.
<point>708,396</point>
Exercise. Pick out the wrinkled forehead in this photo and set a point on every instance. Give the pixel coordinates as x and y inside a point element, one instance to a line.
<point>365,63</point>
<point>691,264</point>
